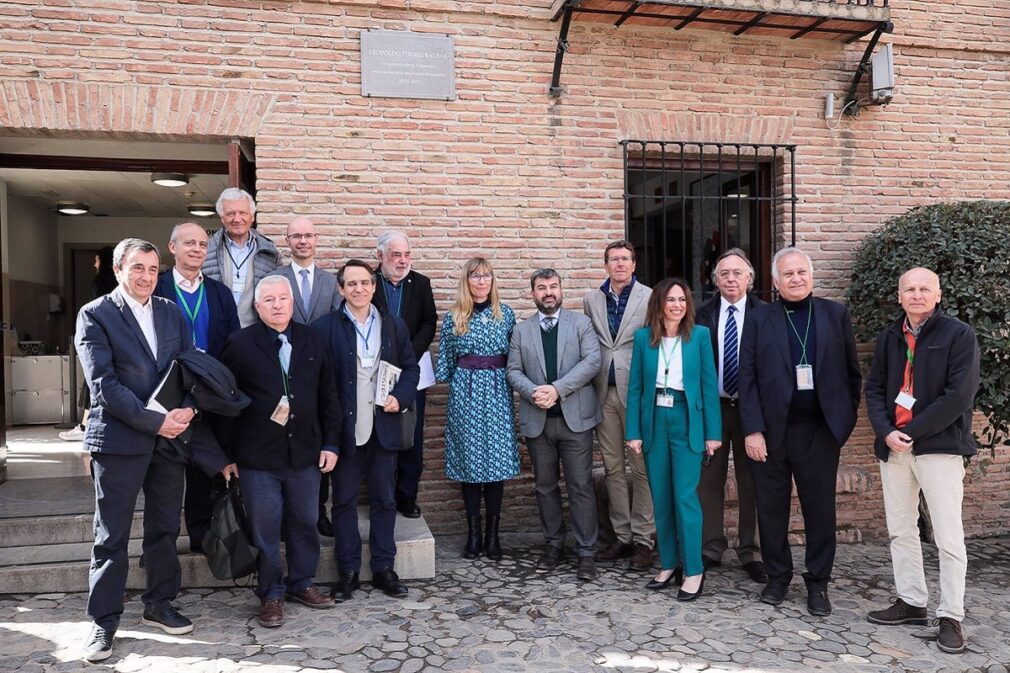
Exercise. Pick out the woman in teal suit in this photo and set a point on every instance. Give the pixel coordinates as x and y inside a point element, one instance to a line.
<point>673,414</point>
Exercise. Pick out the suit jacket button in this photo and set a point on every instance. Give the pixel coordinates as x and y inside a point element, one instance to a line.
<point>292,417</point>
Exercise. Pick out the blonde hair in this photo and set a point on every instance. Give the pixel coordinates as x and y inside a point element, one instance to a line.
<point>462,308</point>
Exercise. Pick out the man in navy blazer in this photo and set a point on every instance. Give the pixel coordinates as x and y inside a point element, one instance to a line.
<point>281,442</point>
<point>126,341</point>
<point>799,391</point>
<point>361,337</point>
<point>209,309</point>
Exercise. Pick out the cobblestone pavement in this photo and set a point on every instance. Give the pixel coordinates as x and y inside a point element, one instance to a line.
<point>507,616</point>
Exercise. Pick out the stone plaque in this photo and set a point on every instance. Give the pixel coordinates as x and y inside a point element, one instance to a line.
<point>403,64</point>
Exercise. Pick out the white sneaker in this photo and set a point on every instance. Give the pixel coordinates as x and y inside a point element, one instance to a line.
<point>74,434</point>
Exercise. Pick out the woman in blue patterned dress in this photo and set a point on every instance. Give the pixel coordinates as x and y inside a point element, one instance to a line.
<point>480,433</point>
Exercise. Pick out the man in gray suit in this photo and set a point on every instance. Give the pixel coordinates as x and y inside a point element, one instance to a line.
<point>617,309</point>
<point>315,294</point>
<point>315,291</point>
<point>553,358</point>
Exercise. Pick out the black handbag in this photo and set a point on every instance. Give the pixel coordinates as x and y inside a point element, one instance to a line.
<point>408,421</point>
<point>228,545</point>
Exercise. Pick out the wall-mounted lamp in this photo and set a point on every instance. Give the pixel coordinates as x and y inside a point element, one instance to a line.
<point>201,210</point>
<point>72,207</point>
<point>829,106</point>
<point>170,179</point>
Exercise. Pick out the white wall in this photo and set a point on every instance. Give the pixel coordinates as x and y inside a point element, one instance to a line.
<point>32,252</point>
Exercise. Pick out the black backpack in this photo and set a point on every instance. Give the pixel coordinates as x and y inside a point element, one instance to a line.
<point>228,545</point>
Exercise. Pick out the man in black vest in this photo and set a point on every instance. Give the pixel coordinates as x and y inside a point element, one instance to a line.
<point>406,294</point>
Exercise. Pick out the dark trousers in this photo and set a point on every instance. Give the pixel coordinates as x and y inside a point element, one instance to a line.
<point>809,455</point>
<point>712,493</point>
<point>410,462</point>
<point>198,505</point>
<point>378,467</point>
<point>118,480</point>
<point>277,500</point>
<point>554,447</point>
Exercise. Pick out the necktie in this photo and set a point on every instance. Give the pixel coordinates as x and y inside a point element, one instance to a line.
<point>730,363</point>
<point>547,324</point>
<point>284,352</point>
<point>305,290</point>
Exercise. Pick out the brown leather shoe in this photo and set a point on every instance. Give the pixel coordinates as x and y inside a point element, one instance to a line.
<point>641,558</point>
<point>271,614</point>
<point>312,597</point>
<point>616,551</point>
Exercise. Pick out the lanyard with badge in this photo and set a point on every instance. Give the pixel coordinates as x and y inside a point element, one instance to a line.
<point>367,359</point>
<point>665,398</point>
<point>904,398</point>
<point>283,409</point>
<point>804,371</point>
<point>238,265</point>
<point>191,314</point>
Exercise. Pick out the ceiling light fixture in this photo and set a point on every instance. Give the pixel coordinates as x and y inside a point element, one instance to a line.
<point>72,207</point>
<point>201,210</point>
<point>170,179</point>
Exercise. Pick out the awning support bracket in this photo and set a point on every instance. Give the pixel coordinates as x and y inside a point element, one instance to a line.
<point>851,106</point>
<point>559,55</point>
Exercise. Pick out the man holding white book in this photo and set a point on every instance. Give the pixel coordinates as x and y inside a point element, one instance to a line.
<point>362,337</point>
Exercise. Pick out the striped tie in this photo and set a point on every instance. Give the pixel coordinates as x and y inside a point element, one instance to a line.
<point>730,357</point>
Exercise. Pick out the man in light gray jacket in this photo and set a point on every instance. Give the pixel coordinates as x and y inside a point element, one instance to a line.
<point>553,358</point>
<point>238,255</point>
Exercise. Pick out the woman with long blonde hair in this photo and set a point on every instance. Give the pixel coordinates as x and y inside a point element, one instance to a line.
<point>480,439</point>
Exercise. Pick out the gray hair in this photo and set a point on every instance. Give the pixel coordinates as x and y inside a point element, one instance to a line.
<point>543,274</point>
<point>387,237</point>
<point>234,194</point>
<point>174,238</point>
<point>128,245</point>
<point>734,252</point>
<point>271,280</point>
<point>785,252</point>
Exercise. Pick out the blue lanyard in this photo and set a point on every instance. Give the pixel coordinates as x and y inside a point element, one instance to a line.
<point>367,335</point>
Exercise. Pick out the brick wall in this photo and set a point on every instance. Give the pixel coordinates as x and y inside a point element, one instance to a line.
<point>510,172</point>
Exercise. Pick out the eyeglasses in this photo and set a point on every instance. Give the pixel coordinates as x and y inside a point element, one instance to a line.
<point>624,259</point>
<point>480,277</point>
<point>301,237</point>
<point>735,273</point>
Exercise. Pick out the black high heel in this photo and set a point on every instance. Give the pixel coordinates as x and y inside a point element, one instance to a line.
<point>656,585</point>
<point>684,596</point>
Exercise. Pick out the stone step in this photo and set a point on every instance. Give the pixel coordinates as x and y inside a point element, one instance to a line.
<point>64,567</point>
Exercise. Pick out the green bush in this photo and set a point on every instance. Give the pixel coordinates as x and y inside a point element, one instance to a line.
<point>966,244</point>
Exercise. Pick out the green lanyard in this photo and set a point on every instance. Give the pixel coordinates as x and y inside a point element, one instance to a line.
<point>185,306</point>
<point>667,359</point>
<point>806,334</point>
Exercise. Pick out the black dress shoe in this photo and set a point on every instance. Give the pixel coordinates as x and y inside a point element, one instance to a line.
<point>657,585</point>
<point>388,582</point>
<point>774,592</point>
<point>409,509</point>
<point>817,602</point>
<point>552,557</point>
<point>323,524</point>
<point>756,571</point>
<point>710,562</point>
<point>684,596</point>
<point>344,589</point>
<point>586,570</point>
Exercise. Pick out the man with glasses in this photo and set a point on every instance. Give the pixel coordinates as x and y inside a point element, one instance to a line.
<point>238,255</point>
<point>724,316</point>
<point>315,294</point>
<point>406,294</point>
<point>616,310</point>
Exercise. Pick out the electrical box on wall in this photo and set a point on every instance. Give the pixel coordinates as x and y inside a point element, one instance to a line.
<point>882,72</point>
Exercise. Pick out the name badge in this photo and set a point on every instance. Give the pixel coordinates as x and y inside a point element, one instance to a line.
<point>904,400</point>
<point>368,362</point>
<point>664,400</point>
<point>804,377</point>
<point>281,412</point>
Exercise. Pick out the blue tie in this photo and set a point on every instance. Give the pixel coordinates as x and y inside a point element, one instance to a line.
<point>306,291</point>
<point>285,352</point>
<point>730,363</point>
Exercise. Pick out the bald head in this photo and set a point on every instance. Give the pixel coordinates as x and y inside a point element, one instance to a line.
<point>302,240</point>
<point>188,245</point>
<point>918,293</point>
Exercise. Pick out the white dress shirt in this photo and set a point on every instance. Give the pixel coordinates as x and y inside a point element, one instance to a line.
<point>185,284</point>
<point>741,308</point>
<point>670,354</point>
<point>297,268</point>
<point>145,317</point>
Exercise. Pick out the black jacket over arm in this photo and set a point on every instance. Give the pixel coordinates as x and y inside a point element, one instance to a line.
<point>417,309</point>
<point>337,331</point>
<point>944,382</point>
<point>768,375</point>
<point>252,439</point>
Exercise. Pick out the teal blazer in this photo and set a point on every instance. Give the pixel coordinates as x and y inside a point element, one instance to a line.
<point>701,387</point>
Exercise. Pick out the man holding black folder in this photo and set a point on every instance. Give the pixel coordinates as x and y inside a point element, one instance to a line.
<point>126,341</point>
<point>365,343</point>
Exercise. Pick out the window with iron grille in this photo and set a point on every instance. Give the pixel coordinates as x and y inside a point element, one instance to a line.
<point>686,202</point>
